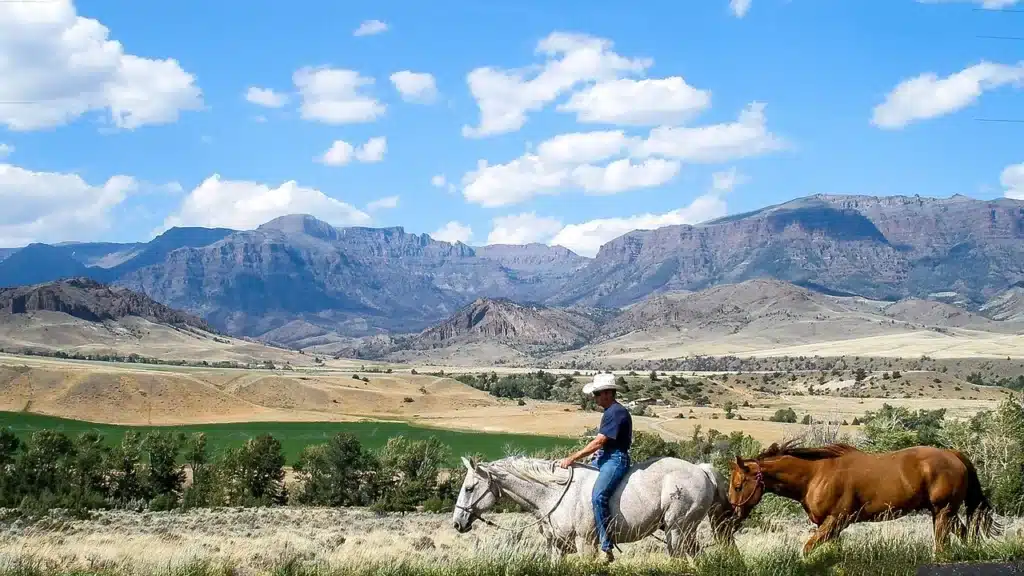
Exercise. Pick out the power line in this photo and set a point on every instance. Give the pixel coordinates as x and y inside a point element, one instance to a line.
<point>1006,120</point>
<point>1010,10</point>
<point>1002,37</point>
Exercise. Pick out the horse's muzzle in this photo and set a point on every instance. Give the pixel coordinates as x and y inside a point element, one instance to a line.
<point>462,528</point>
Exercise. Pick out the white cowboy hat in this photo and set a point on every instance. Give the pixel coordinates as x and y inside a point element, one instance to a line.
<point>601,382</point>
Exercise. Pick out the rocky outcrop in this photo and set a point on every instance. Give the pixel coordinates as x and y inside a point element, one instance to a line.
<point>516,324</point>
<point>1006,306</point>
<point>92,301</point>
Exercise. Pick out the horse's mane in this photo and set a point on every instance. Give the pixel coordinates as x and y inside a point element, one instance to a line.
<point>546,472</point>
<point>792,448</point>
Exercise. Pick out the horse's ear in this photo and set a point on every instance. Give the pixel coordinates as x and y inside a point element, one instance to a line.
<point>467,463</point>
<point>739,462</point>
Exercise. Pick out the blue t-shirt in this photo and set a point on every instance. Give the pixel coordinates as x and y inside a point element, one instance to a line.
<point>617,426</point>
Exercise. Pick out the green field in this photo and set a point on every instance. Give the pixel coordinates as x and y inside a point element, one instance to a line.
<point>294,436</point>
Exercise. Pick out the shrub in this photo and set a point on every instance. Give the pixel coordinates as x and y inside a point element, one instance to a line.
<point>647,445</point>
<point>787,415</point>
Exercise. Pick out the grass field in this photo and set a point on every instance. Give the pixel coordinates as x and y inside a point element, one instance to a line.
<point>349,542</point>
<point>294,436</point>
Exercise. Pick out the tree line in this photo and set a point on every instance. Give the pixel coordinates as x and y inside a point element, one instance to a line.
<point>163,470</point>
<point>541,385</point>
<point>133,358</point>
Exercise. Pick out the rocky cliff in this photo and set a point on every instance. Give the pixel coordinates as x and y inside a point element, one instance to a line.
<point>883,248</point>
<point>92,301</point>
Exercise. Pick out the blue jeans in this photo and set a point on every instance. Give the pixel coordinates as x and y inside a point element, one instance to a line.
<point>612,467</point>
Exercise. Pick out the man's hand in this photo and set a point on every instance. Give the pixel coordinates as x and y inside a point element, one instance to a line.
<point>593,446</point>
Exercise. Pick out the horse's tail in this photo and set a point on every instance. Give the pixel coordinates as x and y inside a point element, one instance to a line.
<point>979,513</point>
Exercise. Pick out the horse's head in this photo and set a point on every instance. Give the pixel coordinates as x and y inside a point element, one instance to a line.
<point>479,492</point>
<point>746,487</point>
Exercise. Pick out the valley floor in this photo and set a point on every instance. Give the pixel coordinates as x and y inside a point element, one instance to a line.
<point>140,395</point>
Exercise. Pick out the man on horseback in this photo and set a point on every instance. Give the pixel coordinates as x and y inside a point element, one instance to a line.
<point>613,440</point>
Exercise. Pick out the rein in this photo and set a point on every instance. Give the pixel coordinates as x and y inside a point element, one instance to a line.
<point>760,483</point>
<point>475,514</point>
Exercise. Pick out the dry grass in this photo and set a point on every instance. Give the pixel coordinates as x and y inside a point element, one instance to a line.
<point>258,541</point>
<point>667,344</point>
<point>131,394</point>
<point>55,331</point>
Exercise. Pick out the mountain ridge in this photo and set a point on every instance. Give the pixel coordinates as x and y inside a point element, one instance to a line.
<point>296,277</point>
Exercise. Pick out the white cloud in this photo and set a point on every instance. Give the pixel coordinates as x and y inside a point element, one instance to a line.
<point>646,102</point>
<point>565,162</point>
<point>336,96</point>
<point>727,180</point>
<point>370,28</point>
<point>1012,180</point>
<point>927,96</point>
<point>587,238</point>
<point>57,66</point>
<point>244,205</point>
<point>5,150</point>
<point>623,174</point>
<point>577,160</point>
<point>453,232</point>
<point>739,7</point>
<point>172,188</point>
<point>341,153</point>
<point>584,147</point>
<point>54,206</point>
<point>530,175</point>
<point>415,86</point>
<point>373,150</point>
<point>747,136</point>
<point>987,4</point>
<point>506,96</point>
<point>525,228</point>
<point>385,203</point>
<point>266,97</point>
<point>440,181</point>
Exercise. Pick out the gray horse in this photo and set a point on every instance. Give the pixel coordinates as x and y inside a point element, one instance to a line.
<point>667,493</point>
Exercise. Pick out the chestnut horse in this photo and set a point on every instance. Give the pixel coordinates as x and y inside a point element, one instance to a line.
<point>839,485</point>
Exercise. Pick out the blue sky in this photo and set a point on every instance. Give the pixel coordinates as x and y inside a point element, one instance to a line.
<point>592,119</point>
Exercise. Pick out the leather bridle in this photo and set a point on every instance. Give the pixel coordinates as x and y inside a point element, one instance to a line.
<point>471,509</point>
<point>473,513</point>
<point>759,483</point>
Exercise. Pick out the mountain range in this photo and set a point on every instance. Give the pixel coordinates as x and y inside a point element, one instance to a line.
<point>299,281</point>
<point>754,317</point>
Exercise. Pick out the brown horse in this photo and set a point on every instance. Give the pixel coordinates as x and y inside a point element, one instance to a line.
<point>839,485</point>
